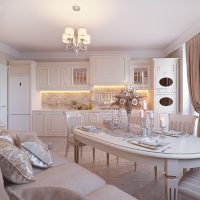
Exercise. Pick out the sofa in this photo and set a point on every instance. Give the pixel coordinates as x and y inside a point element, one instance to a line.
<point>64,180</point>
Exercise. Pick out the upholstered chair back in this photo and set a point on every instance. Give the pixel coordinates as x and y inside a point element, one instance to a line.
<point>72,119</point>
<point>184,123</point>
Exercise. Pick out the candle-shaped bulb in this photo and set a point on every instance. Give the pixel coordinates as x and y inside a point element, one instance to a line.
<point>162,123</point>
<point>151,115</point>
<point>144,105</point>
<point>142,114</point>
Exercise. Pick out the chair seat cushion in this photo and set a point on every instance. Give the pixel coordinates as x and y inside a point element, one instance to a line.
<point>109,192</point>
<point>189,185</point>
<point>68,175</point>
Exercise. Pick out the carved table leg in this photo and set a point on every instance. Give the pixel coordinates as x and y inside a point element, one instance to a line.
<point>171,188</point>
<point>171,179</point>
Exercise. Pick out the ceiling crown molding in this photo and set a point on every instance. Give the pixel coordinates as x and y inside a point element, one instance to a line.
<point>86,55</point>
<point>187,35</point>
<point>4,48</point>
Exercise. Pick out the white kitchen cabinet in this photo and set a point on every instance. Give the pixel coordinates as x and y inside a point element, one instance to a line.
<point>166,75</point>
<point>48,123</point>
<point>43,77</point>
<point>108,70</point>
<point>166,88</point>
<point>140,74</point>
<point>57,124</point>
<point>40,122</point>
<point>62,75</point>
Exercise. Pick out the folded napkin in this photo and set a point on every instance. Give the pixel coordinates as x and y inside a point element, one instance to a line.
<point>150,143</point>
<point>88,128</point>
<point>170,133</point>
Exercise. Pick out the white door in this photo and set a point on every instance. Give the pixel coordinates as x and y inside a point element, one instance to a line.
<point>3,96</point>
<point>19,122</point>
<point>19,95</point>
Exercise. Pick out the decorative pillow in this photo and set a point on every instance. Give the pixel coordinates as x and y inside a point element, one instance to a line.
<point>37,152</point>
<point>4,195</point>
<point>12,135</point>
<point>14,164</point>
<point>7,138</point>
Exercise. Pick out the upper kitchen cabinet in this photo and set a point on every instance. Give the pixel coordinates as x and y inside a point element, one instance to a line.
<point>141,75</point>
<point>108,70</point>
<point>62,75</point>
<point>166,75</point>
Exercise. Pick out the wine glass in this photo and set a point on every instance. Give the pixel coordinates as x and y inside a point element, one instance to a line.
<point>162,126</point>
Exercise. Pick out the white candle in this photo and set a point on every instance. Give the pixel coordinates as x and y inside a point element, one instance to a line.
<point>142,113</point>
<point>144,105</point>
<point>151,115</point>
<point>162,123</point>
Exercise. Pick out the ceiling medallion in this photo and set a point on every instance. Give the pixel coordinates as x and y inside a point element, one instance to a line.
<point>76,8</point>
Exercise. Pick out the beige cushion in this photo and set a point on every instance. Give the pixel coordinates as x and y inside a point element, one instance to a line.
<point>7,138</point>
<point>3,193</point>
<point>109,192</point>
<point>37,151</point>
<point>14,164</point>
<point>45,193</point>
<point>189,186</point>
<point>13,138</point>
<point>57,159</point>
<point>68,175</point>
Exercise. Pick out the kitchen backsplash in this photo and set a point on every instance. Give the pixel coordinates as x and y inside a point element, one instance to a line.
<point>65,100</point>
<point>99,98</point>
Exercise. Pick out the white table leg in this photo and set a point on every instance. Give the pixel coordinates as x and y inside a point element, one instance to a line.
<point>171,179</point>
<point>171,188</point>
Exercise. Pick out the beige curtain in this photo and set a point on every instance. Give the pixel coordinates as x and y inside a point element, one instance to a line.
<point>193,70</point>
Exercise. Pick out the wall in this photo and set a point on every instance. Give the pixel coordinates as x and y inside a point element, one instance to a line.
<point>4,58</point>
<point>184,97</point>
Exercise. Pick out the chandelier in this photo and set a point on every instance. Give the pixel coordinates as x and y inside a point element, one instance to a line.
<point>77,42</point>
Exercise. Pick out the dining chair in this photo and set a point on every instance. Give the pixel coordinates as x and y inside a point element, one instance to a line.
<point>189,186</point>
<point>183,123</point>
<point>112,114</point>
<point>72,119</point>
<point>91,118</point>
<point>137,123</point>
<point>180,123</point>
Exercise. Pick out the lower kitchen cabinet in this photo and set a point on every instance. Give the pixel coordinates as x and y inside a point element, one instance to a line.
<point>53,123</point>
<point>49,123</point>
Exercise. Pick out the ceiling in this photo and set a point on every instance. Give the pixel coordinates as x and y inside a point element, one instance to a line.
<point>37,25</point>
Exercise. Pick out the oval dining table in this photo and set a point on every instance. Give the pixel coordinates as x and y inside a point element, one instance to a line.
<point>178,153</point>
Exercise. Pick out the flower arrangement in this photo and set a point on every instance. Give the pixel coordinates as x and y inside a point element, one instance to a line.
<point>128,99</point>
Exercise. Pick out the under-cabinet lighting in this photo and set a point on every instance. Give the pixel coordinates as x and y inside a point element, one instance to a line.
<point>109,86</point>
<point>67,91</point>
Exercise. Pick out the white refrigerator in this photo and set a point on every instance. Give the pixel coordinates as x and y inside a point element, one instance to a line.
<point>3,96</point>
<point>19,103</point>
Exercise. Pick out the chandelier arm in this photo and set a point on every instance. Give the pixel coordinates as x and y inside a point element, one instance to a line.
<point>73,43</point>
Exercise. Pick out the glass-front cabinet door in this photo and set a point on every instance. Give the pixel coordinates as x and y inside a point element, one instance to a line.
<point>79,76</point>
<point>140,73</point>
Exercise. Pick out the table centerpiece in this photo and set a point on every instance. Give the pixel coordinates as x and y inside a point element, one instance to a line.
<point>128,99</point>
